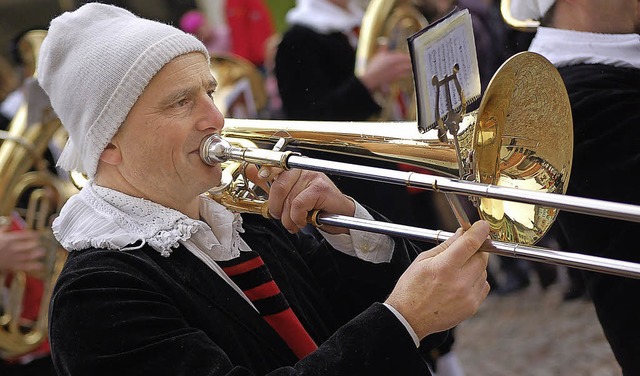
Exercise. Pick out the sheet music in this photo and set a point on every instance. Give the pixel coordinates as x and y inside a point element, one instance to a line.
<point>434,51</point>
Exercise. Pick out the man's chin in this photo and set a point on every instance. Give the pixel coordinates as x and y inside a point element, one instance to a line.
<point>215,175</point>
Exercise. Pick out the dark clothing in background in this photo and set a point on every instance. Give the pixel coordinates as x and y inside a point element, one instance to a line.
<point>605,101</point>
<point>316,79</point>
<point>4,122</point>
<point>37,367</point>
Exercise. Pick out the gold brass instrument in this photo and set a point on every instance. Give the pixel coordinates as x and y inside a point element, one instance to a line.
<point>517,146</point>
<point>390,23</point>
<point>517,24</point>
<point>30,190</point>
<point>241,91</point>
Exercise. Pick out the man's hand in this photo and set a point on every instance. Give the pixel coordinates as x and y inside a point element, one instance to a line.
<point>20,251</point>
<point>445,285</point>
<point>295,193</point>
<point>386,67</point>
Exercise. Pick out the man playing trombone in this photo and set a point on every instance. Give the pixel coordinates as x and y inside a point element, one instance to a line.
<point>161,279</point>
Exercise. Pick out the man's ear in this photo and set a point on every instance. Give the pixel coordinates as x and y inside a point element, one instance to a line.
<point>111,154</point>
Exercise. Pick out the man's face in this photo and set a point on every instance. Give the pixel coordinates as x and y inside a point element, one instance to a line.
<point>160,139</point>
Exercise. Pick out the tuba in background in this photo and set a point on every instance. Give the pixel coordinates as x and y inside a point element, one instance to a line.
<point>389,23</point>
<point>241,88</point>
<point>31,194</point>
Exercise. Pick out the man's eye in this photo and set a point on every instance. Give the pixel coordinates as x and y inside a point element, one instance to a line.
<point>182,103</point>
<point>210,93</point>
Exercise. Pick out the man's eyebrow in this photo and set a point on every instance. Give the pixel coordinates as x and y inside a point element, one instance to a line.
<point>178,94</point>
<point>175,96</point>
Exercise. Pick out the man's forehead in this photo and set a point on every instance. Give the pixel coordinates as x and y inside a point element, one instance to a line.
<point>190,69</point>
<point>186,65</point>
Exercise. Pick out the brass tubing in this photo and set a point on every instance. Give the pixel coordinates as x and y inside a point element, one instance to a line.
<point>212,152</point>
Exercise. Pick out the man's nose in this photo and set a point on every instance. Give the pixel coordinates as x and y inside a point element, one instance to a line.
<point>210,116</point>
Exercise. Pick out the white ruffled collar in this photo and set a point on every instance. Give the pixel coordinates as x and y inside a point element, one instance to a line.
<point>568,47</point>
<point>100,217</point>
<point>325,17</point>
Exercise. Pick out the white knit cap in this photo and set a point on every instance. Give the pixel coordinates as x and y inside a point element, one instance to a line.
<point>530,9</point>
<point>94,64</point>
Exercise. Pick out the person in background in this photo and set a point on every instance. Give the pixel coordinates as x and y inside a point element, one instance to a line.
<point>161,279</point>
<point>16,78</point>
<point>248,24</point>
<point>274,102</point>
<point>216,38</point>
<point>11,95</point>
<point>596,47</point>
<point>21,251</point>
<point>315,72</point>
<point>251,27</point>
<point>8,84</point>
<point>20,248</point>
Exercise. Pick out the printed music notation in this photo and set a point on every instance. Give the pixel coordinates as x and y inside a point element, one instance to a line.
<point>434,52</point>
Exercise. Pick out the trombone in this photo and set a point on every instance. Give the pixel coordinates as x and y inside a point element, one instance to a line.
<point>512,157</point>
<point>215,149</point>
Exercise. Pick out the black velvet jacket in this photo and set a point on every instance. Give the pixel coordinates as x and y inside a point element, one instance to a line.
<point>606,121</point>
<point>316,78</point>
<point>138,313</point>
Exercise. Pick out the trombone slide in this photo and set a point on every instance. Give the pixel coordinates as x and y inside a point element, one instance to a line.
<point>545,255</point>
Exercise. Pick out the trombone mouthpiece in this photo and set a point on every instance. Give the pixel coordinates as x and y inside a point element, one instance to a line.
<point>213,149</point>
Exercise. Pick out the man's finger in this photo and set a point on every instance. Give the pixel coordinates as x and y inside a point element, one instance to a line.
<point>280,190</point>
<point>254,175</point>
<point>467,245</point>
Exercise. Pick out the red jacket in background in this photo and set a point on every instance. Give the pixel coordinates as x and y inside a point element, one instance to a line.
<point>251,24</point>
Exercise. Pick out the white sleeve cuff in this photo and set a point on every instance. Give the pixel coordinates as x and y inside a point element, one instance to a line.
<point>405,323</point>
<point>367,246</point>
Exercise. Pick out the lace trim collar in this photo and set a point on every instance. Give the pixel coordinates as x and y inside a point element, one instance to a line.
<point>568,47</point>
<point>100,217</point>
